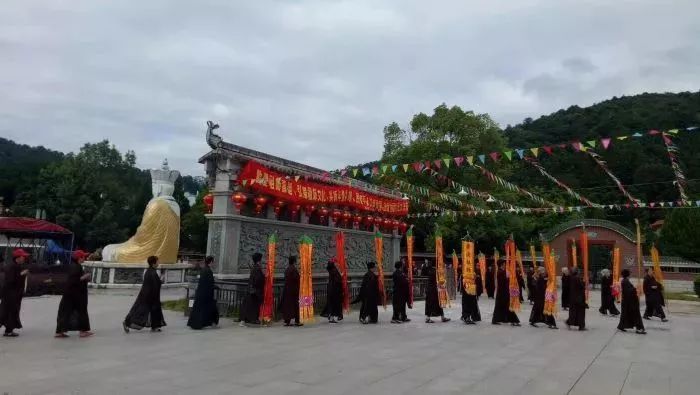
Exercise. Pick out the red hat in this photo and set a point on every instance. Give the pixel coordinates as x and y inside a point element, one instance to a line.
<point>80,254</point>
<point>19,253</point>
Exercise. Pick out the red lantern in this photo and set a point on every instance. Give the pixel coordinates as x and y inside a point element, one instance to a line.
<point>346,217</point>
<point>323,212</point>
<point>403,227</point>
<point>259,203</point>
<point>336,215</point>
<point>369,220</point>
<point>395,224</point>
<point>295,210</point>
<point>357,219</point>
<point>239,199</point>
<point>208,201</point>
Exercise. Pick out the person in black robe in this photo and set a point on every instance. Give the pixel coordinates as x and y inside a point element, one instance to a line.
<point>565,286</point>
<point>250,310</point>
<point>369,296</point>
<point>521,283</point>
<point>289,303</point>
<point>73,308</point>
<point>653,294</point>
<point>607,300</point>
<point>490,282</point>
<point>432,299</point>
<point>470,306</point>
<point>204,312</point>
<point>630,317</point>
<point>12,292</point>
<point>531,285</point>
<point>334,294</point>
<point>399,298</point>
<point>501,309</point>
<point>479,284</point>
<point>577,301</point>
<point>538,294</point>
<point>147,311</point>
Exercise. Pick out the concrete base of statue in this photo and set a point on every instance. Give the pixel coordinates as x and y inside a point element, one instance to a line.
<point>130,275</point>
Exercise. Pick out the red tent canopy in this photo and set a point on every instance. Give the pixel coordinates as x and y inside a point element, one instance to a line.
<point>30,227</point>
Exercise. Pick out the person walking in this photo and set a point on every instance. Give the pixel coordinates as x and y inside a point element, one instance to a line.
<point>147,310</point>
<point>12,292</point>
<point>73,308</point>
<point>204,312</point>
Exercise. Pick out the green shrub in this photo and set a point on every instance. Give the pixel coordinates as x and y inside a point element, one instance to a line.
<point>696,284</point>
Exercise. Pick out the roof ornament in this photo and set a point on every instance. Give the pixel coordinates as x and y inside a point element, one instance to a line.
<point>215,141</point>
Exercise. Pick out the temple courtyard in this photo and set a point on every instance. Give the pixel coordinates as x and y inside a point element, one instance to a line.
<point>349,358</point>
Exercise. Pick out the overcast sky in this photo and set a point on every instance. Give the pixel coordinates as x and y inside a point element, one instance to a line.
<point>316,81</point>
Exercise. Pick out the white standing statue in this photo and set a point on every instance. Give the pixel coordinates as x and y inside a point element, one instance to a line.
<point>159,232</point>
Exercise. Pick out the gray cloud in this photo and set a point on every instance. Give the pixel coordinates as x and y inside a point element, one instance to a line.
<point>316,81</point>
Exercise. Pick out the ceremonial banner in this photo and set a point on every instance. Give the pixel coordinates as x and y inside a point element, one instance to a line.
<point>533,255</point>
<point>455,271</point>
<point>550,296</point>
<point>574,253</point>
<point>409,248</point>
<point>584,258</point>
<point>640,289</point>
<point>521,268</point>
<point>266,308</point>
<point>306,290</point>
<point>482,269</point>
<point>283,187</point>
<point>496,257</point>
<point>513,286</point>
<point>441,277</point>
<point>656,260</point>
<point>616,287</point>
<point>379,255</point>
<point>468,274</point>
<point>343,268</point>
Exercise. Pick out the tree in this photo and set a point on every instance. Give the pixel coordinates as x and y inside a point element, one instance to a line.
<point>194,227</point>
<point>679,234</point>
<point>393,138</point>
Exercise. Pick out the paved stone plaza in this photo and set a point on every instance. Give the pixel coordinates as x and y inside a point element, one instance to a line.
<point>349,357</point>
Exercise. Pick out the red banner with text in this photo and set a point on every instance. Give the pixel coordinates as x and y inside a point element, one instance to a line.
<point>291,189</point>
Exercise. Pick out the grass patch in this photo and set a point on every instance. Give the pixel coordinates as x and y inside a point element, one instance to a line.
<point>175,305</point>
<point>682,296</point>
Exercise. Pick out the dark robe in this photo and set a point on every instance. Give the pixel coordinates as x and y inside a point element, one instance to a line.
<point>250,310</point>
<point>521,285</point>
<point>577,302</point>
<point>399,298</point>
<point>607,301</point>
<point>432,300</point>
<point>490,282</point>
<point>538,293</point>
<point>289,303</point>
<point>11,297</point>
<point>531,286</point>
<point>479,284</point>
<point>334,295</point>
<point>654,298</point>
<point>72,310</point>
<point>369,296</point>
<point>630,317</point>
<point>204,311</point>
<point>147,311</point>
<point>501,309</point>
<point>470,307</point>
<point>565,286</point>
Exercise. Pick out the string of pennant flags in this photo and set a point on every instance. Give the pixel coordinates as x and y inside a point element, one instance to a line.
<point>536,164</point>
<point>509,154</point>
<point>604,166</point>
<point>672,151</point>
<point>561,209</point>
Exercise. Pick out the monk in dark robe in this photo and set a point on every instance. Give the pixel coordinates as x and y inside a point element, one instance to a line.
<point>607,300</point>
<point>565,286</point>
<point>250,310</point>
<point>399,298</point>
<point>334,294</point>
<point>470,306</point>
<point>538,293</point>
<point>73,308</point>
<point>147,311</point>
<point>653,294</point>
<point>490,282</point>
<point>479,283</point>
<point>289,303</point>
<point>501,310</point>
<point>521,283</point>
<point>630,317</point>
<point>432,300</point>
<point>369,296</point>
<point>577,301</point>
<point>204,311</point>
<point>531,285</point>
<point>11,293</point>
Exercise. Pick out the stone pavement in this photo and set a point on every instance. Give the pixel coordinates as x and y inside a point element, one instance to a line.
<point>348,358</point>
